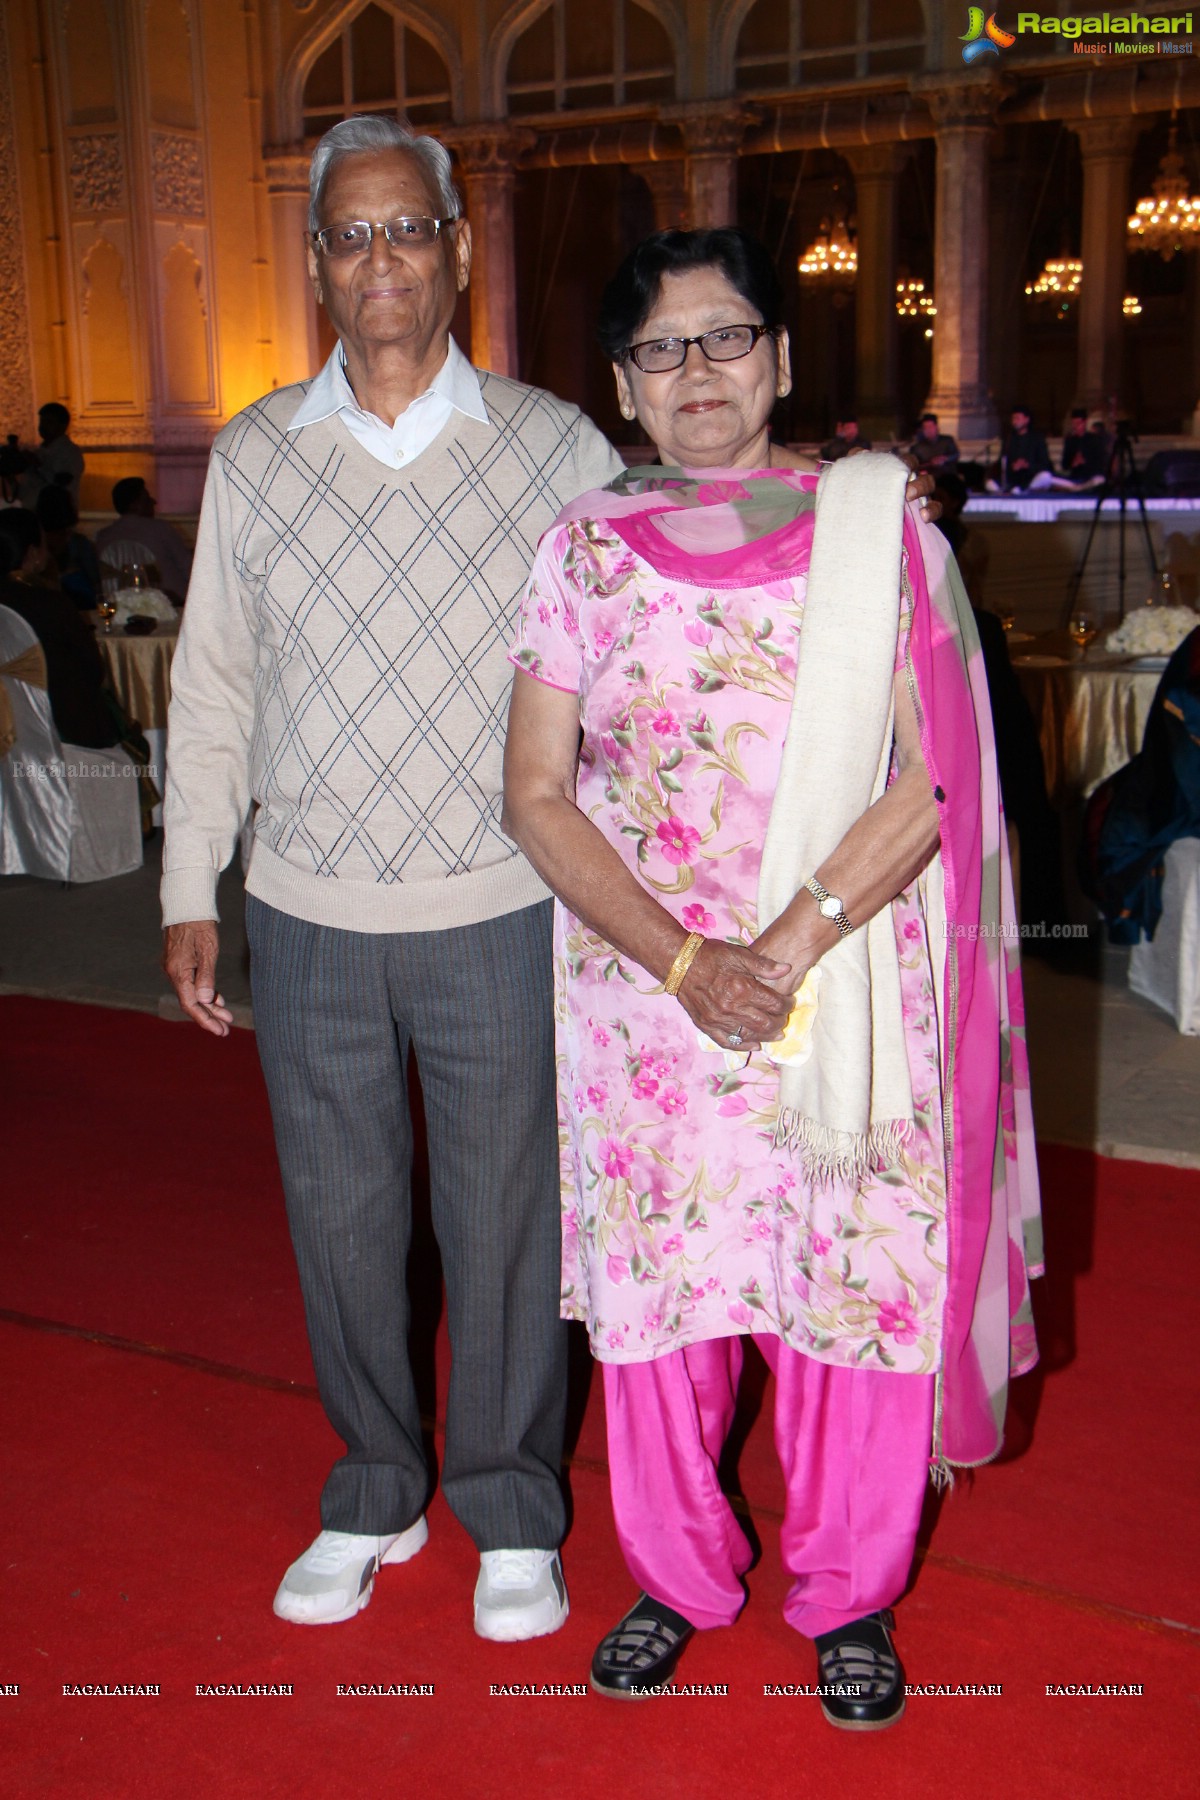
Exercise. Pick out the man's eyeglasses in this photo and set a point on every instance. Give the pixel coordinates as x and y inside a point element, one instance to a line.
<point>353,236</point>
<point>727,343</point>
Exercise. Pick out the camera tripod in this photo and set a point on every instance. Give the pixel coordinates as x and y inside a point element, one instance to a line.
<point>1124,482</point>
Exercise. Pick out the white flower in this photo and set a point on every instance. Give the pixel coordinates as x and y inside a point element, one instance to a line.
<point>1152,631</point>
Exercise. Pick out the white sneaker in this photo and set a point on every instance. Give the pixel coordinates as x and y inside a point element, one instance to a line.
<point>519,1594</point>
<point>333,1579</point>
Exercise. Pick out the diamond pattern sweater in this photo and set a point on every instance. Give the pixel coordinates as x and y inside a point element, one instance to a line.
<point>344,662</point>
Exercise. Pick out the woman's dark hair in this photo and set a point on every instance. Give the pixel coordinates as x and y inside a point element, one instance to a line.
<point>630,296</point>
<point>56,510</point>
<point>19,532</point>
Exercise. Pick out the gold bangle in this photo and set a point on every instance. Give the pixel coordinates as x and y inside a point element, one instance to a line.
<point>688,952</point>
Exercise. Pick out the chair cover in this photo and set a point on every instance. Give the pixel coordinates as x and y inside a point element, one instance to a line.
<point>1167,970</point>
<point>66,813</point>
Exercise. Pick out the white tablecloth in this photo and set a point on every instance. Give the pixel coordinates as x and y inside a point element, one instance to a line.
<point>139,669</point>
<point>1090,721</point>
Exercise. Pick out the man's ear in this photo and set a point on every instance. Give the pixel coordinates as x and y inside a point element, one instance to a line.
<point>462,254</point>
<point>314,269</point>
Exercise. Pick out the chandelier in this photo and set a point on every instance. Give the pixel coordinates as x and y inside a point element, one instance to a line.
<point>832,256</point>
<point>1059,282</point>
<point>912,302</point>
<point>1131,306</point>
<point>1170,221</point>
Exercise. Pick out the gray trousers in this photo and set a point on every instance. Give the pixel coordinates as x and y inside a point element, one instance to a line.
<point>335,1014</point>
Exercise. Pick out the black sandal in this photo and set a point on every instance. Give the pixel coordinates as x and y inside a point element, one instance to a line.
<point>860,1662</point>
<point>640,1653</point>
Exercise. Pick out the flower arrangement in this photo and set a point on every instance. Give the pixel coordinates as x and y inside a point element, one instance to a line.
<point>1152,631</point>
<point>148,602</point>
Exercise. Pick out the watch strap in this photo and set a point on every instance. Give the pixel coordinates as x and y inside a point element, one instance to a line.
<point>820,895</point>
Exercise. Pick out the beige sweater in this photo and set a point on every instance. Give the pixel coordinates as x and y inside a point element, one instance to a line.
<point>343,662</point>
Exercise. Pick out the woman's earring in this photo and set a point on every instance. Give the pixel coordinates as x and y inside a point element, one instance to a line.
<point>627,410</point>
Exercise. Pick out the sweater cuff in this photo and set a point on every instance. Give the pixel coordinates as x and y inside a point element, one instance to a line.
<point>188,894</point>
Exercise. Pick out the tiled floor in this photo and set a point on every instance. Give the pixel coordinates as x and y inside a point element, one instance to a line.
<point>1109,1070</point>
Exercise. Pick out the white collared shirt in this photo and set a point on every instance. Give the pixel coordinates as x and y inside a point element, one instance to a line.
<point>455,388</point>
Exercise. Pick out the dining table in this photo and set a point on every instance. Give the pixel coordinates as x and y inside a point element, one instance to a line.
<point>1090,711</point>
<point>139,669</point>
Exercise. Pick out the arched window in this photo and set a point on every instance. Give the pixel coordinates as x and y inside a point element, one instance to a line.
<point>608,53</point>
<point>786,42</point>
<point>377,63</point>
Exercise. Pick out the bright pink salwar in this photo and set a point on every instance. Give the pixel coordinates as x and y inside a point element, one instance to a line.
<point>854,1447</point>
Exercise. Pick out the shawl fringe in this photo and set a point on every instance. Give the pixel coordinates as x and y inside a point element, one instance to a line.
<point>827,1154</point>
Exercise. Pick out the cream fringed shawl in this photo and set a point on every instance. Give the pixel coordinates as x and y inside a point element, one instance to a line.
<point>848,1108</point>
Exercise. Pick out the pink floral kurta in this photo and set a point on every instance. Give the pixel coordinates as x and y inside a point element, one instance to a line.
<point>681,1220</point>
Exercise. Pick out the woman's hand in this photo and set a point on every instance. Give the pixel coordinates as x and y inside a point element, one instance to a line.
<point>725,994</point>
<point>799,937</point>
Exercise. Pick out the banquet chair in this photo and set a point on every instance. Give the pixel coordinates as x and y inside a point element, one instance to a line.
<point>66,813</point>
<point>1167,970</point>
<point>122,554</point>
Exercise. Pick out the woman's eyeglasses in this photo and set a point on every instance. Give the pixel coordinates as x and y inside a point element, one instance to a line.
<point>354,236</point>
<point>726,344</point>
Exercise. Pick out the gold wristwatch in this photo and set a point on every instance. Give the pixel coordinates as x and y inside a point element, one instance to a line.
<point>830,906</point>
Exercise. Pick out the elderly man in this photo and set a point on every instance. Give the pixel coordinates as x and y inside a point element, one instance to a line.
<point>363,542</point>
<point>135,524</point>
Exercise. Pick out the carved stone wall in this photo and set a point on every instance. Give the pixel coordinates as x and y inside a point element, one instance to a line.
<point>16,406</point>
<point>96,173</point>
<point>178,174</point>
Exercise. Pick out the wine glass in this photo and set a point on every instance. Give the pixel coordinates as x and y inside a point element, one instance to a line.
<point>106,606</point>
<point>1083,628</point>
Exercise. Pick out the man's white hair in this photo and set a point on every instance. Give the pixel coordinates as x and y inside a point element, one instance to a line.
<point>372,132</point>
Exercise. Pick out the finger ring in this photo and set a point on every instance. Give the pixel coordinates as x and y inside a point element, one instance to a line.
<point>735,1038</point>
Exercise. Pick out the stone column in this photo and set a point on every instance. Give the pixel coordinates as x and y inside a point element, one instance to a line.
<point>1106,147</point>
<point>876,167</point>
<point>668,191</point>
<point>964,113</point>
<point>295,308</point>
<point>712,134</point>
<point>487,156</point>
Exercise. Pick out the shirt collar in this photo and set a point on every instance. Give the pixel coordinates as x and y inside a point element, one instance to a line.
<point>456,382</point>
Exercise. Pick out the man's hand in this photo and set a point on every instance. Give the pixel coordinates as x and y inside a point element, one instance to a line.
<point>920,487</point>
<point>920,483</point>
<point>190,963</point>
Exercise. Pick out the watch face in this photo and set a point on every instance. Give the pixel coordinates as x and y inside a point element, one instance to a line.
<point>831,907</point>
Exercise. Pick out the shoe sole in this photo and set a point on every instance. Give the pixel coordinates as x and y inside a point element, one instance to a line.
<point>406,1546</point>
<point>612,1693</point>
<point>865,1724</point>
<point>517,1631</point>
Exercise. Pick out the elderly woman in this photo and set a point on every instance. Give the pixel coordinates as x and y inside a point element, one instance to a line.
<point>786,1067</point>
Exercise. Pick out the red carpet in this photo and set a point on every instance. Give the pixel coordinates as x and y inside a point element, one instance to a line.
<point>154,1499</point>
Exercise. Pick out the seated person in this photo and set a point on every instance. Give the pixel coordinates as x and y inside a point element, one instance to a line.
<point>74,669</point>
<point>1132,819</point>
<point>72,555</point>
<point>970,547</point>
<point>1024,460</point>
<point>167,553</point>
<point>1084,454</point>
<point>845,439</point>
<point>1041,899</point>
<point>932,448</point>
